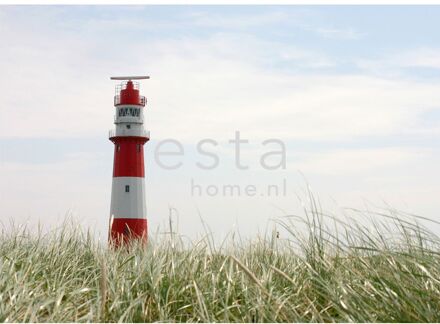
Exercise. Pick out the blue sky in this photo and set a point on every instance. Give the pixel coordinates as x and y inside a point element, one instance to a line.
<point>352,91</point>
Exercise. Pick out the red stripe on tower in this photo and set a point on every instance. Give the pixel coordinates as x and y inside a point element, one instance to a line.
<point>129,157</point>
<point>128,215</point>
<point>131,228</point>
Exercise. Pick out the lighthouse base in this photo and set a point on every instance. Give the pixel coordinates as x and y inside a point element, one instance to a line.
<point>125,230</point>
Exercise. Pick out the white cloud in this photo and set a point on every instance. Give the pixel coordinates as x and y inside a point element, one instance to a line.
<point>339,33</point>
<point>393,63</point>
<point>237,21</point>
<point>202,88</point>
<point>219,96</point>
<point>298,19</point>
<point>422,57</point>
<point>359,161</point>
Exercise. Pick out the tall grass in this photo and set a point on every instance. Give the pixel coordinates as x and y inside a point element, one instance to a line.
<point>321,268</point>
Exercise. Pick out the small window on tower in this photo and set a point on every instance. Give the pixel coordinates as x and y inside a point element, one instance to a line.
<point>128,126</point>
<point>127,188</point>
<point>118,147</point>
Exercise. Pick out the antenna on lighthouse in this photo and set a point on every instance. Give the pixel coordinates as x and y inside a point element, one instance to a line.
<point>135,77</point>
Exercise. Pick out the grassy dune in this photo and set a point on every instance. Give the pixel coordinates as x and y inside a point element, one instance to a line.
<point>386,269</point>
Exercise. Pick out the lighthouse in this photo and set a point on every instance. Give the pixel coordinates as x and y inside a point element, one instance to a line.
<point>128,212</point>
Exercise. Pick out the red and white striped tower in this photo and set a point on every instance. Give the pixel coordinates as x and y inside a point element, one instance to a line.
<point>128,212</point>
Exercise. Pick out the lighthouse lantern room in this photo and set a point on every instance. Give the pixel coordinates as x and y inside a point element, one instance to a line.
<point>128,212</point>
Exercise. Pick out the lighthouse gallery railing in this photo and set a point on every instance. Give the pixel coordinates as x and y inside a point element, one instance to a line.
<point>128,132</point>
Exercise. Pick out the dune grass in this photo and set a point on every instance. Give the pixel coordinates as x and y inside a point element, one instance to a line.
<point>386,269</point>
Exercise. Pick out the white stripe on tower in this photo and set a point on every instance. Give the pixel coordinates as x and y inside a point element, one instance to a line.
<point>128,198</point>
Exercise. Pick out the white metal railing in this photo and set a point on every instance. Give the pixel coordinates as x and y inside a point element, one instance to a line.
<point>129,132</point>
<point>123,85</point>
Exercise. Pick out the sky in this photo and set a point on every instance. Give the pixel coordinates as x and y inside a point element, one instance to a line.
<point>351,92</point>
